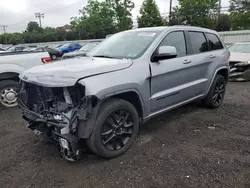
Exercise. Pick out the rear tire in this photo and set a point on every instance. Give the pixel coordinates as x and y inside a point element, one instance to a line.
<point>8,91</point>
<point>216,93</point>
<point>115,129</point>
<point>54,57</point>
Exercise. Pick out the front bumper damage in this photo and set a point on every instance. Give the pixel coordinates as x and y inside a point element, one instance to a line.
<point>239,71</point>
<point>57,113</point>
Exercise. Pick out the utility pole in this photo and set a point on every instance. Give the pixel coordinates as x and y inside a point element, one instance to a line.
<point>218,19</point>
<point>39,16</point>
<point>4,28</point>
<point>219,9</point>
<point>170,11</point>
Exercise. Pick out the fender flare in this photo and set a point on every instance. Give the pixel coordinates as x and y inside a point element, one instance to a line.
<point>85,127</point>
<point>104,97</point>
<point>216,72</point>
<point>8,70</point>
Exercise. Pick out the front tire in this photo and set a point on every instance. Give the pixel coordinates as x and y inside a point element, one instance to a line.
<point>115,130</point>
<point>8,91</point>
<point>216,93</point>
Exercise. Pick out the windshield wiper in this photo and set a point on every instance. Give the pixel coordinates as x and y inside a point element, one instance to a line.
<point>104,56</point>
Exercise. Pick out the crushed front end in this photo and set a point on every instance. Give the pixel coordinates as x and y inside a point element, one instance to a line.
<point>239,71</point>
<point>56,112</point>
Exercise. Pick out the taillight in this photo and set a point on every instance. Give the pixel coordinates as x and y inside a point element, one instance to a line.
<point>46,60</point>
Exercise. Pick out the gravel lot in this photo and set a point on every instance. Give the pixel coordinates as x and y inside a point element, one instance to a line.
<point>188,147</point>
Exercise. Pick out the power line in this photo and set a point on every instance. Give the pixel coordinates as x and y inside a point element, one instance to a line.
<point>39,16</point>
<point>4,28</point>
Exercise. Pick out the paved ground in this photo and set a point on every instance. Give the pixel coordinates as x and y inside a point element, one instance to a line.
<point>189,147</point>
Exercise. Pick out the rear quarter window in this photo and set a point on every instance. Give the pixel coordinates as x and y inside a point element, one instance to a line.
<point>214,42</point>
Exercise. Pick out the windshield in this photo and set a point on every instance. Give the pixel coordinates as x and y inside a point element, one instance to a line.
<point>243,48</point>
<point>128,44</point>
<point>89,46</point>
<point>11,49</point>
<point>58,46</point>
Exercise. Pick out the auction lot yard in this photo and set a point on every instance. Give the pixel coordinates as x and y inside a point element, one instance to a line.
<point>189,147</point>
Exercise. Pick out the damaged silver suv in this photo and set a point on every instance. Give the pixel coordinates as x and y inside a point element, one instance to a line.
<point>131,77</point>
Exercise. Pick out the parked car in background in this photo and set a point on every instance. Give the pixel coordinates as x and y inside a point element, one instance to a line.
<point>39,49</point>
<point>128,79</point>
<point>11,65</point>
<point>83,50</point>
<point>28,49</point>
<point>240,61</point>
<point>69,47</point>
<point>58,46</point>
<point>15,49</point>
<point>54,53</point>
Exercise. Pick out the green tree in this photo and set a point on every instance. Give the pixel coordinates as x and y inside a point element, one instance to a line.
<point>198,12</point>
<point>49,34</point>
<point>96,19</point>
<point>11,38</point>
<point>240,14</point>
<point>239,5</point>
<point>149,15</point>
<point>224,23</point>
<point>33,26</point>
<point>122,13</point>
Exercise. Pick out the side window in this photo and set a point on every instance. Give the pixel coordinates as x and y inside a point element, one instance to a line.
<point>198,42</point>
<point>214,42</point>
<point>18,49</point>
<point>176,39</point>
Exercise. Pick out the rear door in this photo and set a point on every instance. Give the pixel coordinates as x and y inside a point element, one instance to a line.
<point>176,80</point>
<point>201,59</point>
<point>218,54</point>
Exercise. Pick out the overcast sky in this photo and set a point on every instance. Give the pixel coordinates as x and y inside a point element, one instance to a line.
<point>17,13</point>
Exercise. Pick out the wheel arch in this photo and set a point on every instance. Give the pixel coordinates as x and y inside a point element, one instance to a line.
<point>9,76</point>
<point>224,71</point>
<point>86,127</point>
<point>130,95</point>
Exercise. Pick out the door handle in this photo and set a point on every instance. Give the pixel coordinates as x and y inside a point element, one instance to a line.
<point>212,56</point>
<point>187,61</point>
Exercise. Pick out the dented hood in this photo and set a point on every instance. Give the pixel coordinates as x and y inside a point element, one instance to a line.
<point>67,72</point>
<point>239,57</point>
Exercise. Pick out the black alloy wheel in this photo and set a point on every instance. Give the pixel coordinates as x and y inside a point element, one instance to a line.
<point>117,130</point>
<point>219,91</point>
<point>216,93</point>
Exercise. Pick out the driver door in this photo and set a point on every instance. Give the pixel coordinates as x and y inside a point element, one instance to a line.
<point>173,81</point>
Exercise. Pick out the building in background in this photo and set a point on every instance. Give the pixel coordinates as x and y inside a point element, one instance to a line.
<point>65,28</point>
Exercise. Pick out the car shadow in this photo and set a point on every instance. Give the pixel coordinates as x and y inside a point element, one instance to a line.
<point>156,123</point>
